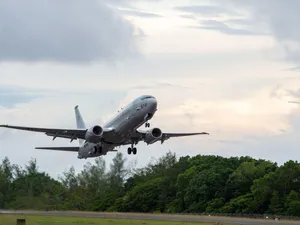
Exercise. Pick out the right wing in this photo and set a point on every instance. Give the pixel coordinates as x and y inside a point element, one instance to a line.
<point>72,134</point>
<point>68,149</point>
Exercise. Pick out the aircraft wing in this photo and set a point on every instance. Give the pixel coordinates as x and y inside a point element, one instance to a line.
<point>168,135</point>
<point>72,134</point>
<point>68,149</point>
<point>165,136</point>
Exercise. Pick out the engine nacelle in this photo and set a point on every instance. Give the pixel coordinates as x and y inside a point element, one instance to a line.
<point>153,135</point>
<point>94,134</point>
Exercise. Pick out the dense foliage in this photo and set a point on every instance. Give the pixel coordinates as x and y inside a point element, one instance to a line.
<point>210,184</point>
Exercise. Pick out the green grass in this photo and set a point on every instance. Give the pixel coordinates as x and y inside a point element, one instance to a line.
<point>62,220</point>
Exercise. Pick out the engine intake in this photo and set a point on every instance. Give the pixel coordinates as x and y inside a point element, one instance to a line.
<point>97,130</point>
<point>156,132</point>
<point>153,135</point>
<point>94,134</point>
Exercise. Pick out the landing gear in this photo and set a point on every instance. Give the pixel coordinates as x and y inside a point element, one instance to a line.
<point>100,149</point>
<point>97,149</point>
<point>133,150</point>
<point>147,124</point>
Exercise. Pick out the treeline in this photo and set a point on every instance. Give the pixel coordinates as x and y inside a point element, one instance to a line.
<point>211,184</point>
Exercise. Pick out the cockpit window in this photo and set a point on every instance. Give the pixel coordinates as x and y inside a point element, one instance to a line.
<point>145,97</point>
<point>142,98</point>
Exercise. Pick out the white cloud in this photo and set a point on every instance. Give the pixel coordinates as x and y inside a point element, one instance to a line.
<point>280,18</point>
<point>69,31</point>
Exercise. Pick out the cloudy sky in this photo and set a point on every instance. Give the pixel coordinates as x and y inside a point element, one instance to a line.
<point>228,69</point>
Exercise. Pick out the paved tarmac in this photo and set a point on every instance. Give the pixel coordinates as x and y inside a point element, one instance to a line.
<point>161,217</point>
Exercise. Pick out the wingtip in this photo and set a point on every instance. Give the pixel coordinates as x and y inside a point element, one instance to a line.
<point>76,107</point>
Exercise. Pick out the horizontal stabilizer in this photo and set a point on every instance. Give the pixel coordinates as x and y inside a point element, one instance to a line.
<point>68,149</point>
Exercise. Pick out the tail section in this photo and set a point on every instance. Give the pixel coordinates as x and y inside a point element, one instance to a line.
<point>79,121</point>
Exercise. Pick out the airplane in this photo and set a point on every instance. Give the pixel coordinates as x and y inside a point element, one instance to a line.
<point>120,130</point>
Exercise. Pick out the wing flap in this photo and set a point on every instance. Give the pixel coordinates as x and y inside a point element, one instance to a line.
<point>68,149</point>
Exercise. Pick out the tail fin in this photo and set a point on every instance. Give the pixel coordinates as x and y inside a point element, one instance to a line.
<point>79,121</point>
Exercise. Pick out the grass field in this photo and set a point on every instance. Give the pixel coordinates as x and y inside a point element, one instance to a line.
<point>62,220</point>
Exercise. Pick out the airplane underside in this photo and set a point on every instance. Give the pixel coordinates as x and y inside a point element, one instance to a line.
<point>94,150</point>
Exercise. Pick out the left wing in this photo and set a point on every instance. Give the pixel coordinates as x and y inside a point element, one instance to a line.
<point>140,135</point>
<point>166,136</point>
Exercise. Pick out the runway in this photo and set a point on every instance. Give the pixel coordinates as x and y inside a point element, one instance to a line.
<point>162,217</point>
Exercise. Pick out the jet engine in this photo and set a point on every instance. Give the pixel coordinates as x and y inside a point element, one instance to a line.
<point>94,134</point>
<point>153,135</point>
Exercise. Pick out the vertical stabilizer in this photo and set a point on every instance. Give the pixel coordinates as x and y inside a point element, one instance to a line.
<point>79,121</point>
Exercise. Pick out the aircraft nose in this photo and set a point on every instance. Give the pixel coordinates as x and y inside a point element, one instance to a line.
<point>153,105</point>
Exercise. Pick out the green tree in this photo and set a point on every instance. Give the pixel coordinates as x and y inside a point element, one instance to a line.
<point>276,204</point>
<point>242,178</point>
<point>35,190</point>
<point>143,197</point>
<point>292,204</point>
<point>6,178</point>
<point>211,184</point>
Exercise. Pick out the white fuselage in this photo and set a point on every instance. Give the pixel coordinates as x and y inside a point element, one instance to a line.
<point>124,124</point>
